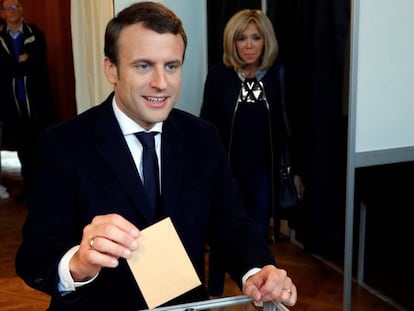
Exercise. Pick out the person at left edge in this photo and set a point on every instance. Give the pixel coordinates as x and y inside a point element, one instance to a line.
<point>26,105</point>
<point>89,203</point>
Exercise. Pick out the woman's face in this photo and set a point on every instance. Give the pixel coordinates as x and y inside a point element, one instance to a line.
<point>250,44</point>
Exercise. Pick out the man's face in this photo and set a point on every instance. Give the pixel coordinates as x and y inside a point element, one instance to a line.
<point>147,80</point>
<point>12,11</point>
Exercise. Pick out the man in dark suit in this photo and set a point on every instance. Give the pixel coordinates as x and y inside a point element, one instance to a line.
<point>89,203</point>
<point>26,106</point>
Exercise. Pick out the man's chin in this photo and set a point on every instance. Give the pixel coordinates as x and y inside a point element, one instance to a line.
<point>159,115</point>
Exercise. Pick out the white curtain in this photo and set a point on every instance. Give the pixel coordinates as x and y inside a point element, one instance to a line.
<point>88,22</point>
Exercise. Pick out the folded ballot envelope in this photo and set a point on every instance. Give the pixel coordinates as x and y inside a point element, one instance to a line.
<point>161,265</point>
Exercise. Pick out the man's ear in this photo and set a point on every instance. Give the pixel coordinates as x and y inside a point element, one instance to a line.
<point>111,71</point>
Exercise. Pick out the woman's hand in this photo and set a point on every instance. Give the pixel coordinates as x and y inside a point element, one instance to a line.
<point>300,187</point>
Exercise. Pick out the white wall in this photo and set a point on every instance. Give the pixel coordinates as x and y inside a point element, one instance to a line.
<point>193,14</point>
<point>384,75</point>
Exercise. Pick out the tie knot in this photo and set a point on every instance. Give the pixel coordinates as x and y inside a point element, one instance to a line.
<point>146,139</point>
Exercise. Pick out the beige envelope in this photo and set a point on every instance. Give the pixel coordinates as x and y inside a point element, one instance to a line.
<point>161,265</point>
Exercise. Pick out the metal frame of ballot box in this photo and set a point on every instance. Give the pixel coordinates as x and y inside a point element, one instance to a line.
<point>220,303</point>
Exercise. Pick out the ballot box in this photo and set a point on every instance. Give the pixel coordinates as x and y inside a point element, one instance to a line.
<point>236,303</point>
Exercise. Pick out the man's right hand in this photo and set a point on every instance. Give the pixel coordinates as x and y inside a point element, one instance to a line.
<point>106,239</point>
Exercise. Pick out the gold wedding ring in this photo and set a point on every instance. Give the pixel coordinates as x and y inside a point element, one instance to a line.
<point>92,242</point>
<point>287,290</point>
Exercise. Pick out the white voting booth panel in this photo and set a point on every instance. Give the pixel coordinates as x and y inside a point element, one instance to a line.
<point>381,106</point>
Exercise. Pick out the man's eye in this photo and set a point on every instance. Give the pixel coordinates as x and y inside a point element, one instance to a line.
<point>172,67</point>
<point>142,66</point>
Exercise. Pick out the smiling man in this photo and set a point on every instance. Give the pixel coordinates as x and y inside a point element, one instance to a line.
<point>90,204</point>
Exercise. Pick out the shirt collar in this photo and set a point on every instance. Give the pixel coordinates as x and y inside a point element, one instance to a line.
<point>14,34</point>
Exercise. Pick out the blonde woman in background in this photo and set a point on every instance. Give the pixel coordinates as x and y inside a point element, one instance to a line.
<point>242,98</point>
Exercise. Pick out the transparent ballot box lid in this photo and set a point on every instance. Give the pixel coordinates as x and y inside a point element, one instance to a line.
<point>236,303</point>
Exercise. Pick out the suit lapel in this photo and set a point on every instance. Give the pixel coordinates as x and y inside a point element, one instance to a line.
<point>113,149</point>
<point>172,164</point>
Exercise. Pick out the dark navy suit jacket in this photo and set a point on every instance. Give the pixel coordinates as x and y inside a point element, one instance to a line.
<point>86,169</point>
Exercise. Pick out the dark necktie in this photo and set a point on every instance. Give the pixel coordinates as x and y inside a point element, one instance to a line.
<point>150,168</point>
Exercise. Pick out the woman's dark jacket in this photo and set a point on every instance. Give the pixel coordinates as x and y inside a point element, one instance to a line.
<point>221,90</point>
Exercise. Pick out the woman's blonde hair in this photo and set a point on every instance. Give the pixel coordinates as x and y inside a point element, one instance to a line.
<point>238,23</point>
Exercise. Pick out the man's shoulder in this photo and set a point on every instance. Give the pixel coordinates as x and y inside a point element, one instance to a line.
<point>180,116</point>
<point>186,121</point>
<point>85,119</point>
<point>3,36</point>
<point>30,29</point>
